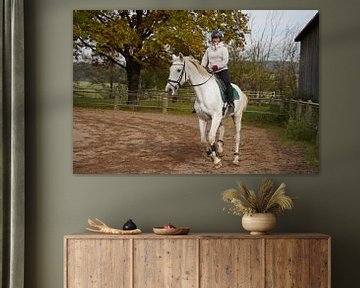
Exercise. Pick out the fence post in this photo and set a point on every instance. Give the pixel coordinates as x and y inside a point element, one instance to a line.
<point>308,111</point>
<point>116,100</point>
<point>282,106</point>
<point>165,104</point>
<point>298,109</point>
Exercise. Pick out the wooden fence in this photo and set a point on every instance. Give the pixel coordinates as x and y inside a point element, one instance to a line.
<point>184,100</point>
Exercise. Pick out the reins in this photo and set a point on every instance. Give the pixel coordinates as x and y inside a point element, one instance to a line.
<point>194,85</point>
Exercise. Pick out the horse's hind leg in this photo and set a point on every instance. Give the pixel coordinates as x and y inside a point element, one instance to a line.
<point>237,124</point>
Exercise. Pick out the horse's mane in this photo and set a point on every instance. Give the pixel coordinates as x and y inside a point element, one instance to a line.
<point>197,65</point>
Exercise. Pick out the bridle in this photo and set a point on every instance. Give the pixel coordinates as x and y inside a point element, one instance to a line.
<point>170,81</point>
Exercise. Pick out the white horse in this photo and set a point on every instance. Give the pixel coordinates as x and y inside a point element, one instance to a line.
<point>208,104</point>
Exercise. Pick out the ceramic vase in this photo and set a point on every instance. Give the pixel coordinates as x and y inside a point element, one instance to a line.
<point>259,223</point>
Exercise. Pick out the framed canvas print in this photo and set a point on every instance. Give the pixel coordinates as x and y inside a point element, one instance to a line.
<point>195,92</point>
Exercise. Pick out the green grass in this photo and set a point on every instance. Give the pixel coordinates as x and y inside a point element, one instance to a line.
<point>264,115</point>
<point>89,85</point>
<point>87,102</point>
<point>309,148</point>
<point>300,129</point>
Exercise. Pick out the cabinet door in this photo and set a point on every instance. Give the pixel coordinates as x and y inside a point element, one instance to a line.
<point>297,263</point>
<point>231,263</point>
<point>98,263</point>
<point>165,263</point>
<point>320,263</point>
<point>287,263</point>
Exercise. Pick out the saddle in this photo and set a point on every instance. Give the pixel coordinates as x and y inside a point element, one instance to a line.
<point>222,87</point>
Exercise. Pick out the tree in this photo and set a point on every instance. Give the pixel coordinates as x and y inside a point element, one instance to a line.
<point>135,38</point>
<point>270,58</point>
<point>288,63</point>
<point>260,50</point>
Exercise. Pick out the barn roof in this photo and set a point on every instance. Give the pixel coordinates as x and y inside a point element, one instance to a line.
<point>313,22</point>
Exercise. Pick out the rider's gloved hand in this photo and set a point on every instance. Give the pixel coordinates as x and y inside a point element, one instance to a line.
<point>214,68</point>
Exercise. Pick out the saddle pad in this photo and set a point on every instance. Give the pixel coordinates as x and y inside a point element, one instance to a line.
<point>222,87</point>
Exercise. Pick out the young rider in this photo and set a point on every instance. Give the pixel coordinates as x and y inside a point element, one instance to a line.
<point>216,58</point>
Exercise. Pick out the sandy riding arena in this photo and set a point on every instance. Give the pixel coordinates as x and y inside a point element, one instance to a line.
<point>121,142</point>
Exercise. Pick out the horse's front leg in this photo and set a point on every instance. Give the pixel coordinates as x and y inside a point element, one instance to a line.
<point>212,136</point>
<point>202,128</point>
<point>220,142</point>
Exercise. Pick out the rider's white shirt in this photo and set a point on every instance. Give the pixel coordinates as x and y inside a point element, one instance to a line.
<point>216,55</point>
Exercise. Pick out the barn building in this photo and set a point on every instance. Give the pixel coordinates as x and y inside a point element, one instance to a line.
<point>309,60</point>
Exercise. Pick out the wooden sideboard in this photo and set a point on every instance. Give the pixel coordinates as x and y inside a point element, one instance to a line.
<point>197,260</point>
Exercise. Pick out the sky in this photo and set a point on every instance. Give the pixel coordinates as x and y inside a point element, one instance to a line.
<point>276,22</point>
<point>298,18</point>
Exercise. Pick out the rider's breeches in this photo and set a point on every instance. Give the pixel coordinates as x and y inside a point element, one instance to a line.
<point>224,75</point>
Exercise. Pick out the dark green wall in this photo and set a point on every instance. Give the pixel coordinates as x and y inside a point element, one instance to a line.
<point>58,203</point>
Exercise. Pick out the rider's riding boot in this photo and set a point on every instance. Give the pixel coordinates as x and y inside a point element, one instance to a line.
<point>229,99</point>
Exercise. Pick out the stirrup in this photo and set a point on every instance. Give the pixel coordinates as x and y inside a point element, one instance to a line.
<point>225,107</point>
<point>228,107</point>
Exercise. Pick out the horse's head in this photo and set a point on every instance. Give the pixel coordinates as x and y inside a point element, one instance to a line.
<point>177,76</point>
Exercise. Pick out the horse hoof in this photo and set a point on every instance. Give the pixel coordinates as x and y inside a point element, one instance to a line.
<point>218,165</point>
<point>236,162</point>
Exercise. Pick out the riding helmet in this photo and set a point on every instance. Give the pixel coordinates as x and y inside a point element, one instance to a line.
<point>216,33</point>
